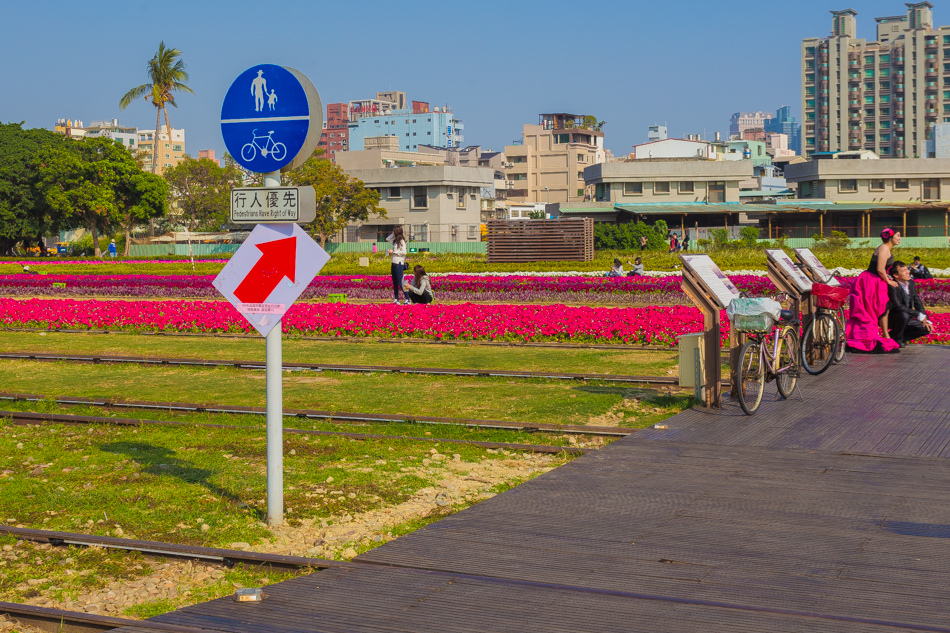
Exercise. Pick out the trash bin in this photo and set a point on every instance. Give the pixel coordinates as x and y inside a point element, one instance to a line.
<point>692,360</point>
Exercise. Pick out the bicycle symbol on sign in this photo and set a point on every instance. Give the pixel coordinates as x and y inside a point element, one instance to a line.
<point>266,145</point>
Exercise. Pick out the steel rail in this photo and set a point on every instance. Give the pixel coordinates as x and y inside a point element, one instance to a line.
<point>62,621</point>
<point>332,416</point>
<point>29,417</point>
<point>244,364</point>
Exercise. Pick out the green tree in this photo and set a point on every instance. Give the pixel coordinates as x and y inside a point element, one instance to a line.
<point>93,182</point>
<point>202,190</point>
<point>166,73</point>
<point>141,197</point>
<point>341,199</point>
<point>24,214</point>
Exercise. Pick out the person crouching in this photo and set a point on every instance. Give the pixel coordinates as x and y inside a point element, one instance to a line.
<point>419,290</point>
<point>908,319</point>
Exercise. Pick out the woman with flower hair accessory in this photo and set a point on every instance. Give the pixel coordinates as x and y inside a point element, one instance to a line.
<point>866,329</point>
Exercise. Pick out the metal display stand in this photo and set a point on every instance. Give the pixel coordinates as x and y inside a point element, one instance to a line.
<point>817,273</point>
<point>711,291</point>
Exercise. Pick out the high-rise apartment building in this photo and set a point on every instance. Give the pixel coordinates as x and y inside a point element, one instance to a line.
<point>883,95</point>
<point>335,136</point>
<point>784,123</point>
<point>171,150</point>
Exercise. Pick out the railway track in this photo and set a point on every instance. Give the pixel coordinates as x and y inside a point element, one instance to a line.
<point>332,416</point>
<point>668,381</point>
<point>62,621</point>
<point>29,417</point>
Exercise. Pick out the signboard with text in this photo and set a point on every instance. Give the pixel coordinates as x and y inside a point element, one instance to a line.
<point>788,267</point>
<point>720,286</point>
<point>252,205</point>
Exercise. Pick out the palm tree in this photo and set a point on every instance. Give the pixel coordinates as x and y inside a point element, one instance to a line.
<point>167,74</point>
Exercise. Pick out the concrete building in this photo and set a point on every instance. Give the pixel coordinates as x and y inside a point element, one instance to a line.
<point>754,151</point>
<point>883,95</point>
<point>70,127</point>
<point>335,136</point>
<point>668,181</point>
<point>127,136</point>
<point>413,127</point>
<point>742,121</point>
<point>656,133</point>
<point>910,193</point>
<point>548,165</point>
<point>171,150</point>
<point>676,148</point>
<point>434,202</point>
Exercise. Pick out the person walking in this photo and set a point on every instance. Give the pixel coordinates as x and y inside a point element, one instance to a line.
<point>113,251</point>
<point>686,242</point>
<point>643,242</point>
<point>397,263</point>
<point>419,290</point>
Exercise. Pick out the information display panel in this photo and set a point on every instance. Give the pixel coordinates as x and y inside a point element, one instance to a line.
<point>819,272</point>
<point>706,270</point>
<point>791,272</point>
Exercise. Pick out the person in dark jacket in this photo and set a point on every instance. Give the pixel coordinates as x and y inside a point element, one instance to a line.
<point>919,271</point>
<point>908,318</point>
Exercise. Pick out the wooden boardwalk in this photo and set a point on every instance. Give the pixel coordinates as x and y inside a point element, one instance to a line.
<point>831,514</point>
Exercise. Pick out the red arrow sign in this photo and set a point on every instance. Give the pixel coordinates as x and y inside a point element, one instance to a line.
<point>278,260</point>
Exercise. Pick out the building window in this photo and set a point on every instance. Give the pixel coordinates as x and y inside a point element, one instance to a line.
<point>352,234</point>
<point>901,184</point>
<point>686,186</point>
<point>176,148</point>
<point>661,187</point>
<point>420,198</point>
<point>395,192</point>
<point>580,158</point>
<point>932,189</point>
<point>472,231</point>
<point>849,185</point>
<point>420,232</point>
<point>717,191</point>
<point>460,203</point>
<point>632,188</point>
<point>580,175</point>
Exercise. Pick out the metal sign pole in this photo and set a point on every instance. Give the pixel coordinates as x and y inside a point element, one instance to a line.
<point>275,411</point>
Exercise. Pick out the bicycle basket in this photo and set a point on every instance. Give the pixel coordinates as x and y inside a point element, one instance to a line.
<point>829,297</point>
<point>753,322</point>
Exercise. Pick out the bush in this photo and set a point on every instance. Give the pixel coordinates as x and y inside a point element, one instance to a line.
<point>626,237</point>
<point>838,240</point>
<point>749,236</point>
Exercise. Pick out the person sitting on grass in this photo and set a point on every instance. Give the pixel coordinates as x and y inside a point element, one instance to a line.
<point>616,270</point>
<point>419,290</point>
<point>637,268</point>
<point>908,319</point>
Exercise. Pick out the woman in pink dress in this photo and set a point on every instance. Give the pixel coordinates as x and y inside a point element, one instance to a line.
<point>866,330</point>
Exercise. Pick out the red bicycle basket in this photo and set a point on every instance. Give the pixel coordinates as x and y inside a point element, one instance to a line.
<point>830,297</point>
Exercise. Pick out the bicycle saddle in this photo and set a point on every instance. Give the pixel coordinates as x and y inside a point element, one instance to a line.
<point>787,315</point>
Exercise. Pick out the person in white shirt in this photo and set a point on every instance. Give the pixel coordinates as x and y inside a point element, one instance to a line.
<point>398,262</point>
<point>616,270</point>
<point>419,290</point>
<point>908,318</point>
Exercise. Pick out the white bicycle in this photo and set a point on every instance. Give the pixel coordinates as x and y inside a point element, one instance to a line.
<point>266,145</point>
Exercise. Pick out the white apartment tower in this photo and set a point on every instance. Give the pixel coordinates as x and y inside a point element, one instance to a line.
<point>883,95</point>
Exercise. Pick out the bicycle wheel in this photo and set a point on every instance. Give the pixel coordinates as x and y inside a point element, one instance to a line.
<point>248,152</point>
<point>278,151</point>
<point>818,343</point>
<point>786,362</point>
<point>751,377</point>
<point>842,341</point>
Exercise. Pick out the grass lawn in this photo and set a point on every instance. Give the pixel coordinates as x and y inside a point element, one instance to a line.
<point>456,356</point>
<point>207,487</point>
<point>517,400</point>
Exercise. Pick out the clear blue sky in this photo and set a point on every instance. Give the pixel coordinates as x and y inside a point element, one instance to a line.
<point>689,64</point>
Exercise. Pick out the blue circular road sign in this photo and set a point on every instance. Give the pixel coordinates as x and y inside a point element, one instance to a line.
<point>271,118</point>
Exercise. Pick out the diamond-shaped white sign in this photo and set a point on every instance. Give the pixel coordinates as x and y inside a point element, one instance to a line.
<point>272,268</point>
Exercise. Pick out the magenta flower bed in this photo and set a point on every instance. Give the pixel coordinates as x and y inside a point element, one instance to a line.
<point>638,325</point>
<point>648,325</point>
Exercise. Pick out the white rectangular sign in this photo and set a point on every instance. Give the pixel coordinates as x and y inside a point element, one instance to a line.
<point>818,269</point>
<point>271,205</point>
<point>793,272</point>
<point>722,288</point>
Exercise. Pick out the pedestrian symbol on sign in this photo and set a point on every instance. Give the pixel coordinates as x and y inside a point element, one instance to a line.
<point>258,89</point>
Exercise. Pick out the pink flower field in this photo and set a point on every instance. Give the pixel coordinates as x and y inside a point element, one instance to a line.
<point>521,323</point>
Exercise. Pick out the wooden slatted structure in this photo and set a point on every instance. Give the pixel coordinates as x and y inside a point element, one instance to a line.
<point>568,239</point>
<point>828,515</point>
